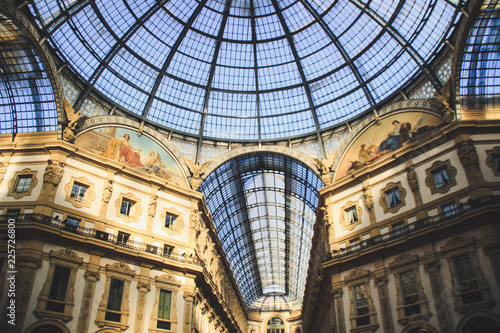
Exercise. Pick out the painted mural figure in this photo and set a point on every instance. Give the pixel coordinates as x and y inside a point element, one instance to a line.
<point>373,144</point>
<point>121,150</point>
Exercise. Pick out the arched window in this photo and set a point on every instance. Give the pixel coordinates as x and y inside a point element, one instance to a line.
<point>481,325</point>
<point>275,325</point>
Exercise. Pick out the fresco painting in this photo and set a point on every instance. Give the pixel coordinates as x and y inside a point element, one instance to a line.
<point>141,153</point>
<point>378,140</point>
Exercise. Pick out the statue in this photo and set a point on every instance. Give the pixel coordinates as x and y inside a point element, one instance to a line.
<point>195,220</point>
<point>412,178</point>
<point>442,98</point>
<point>197,171</point>
<point>152,205</point>
<point>108,189</point>
<point>367,193</point>
<point>73,119</point>
<point>53,174</point>
<point>468,155</point>
<point>324,166</point>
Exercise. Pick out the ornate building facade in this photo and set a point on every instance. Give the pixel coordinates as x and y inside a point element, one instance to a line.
<point>140,202</point>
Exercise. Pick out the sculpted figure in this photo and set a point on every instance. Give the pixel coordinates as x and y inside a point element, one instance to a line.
<point>324,166</point>
<point>108,189</point>
<point>53,174</point>
<point>197,171</point>
<point>412,178</point>
<point>367,193</point>
<point>152,205</point>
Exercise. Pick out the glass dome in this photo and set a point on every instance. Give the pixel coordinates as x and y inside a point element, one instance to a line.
<point>246,70</point>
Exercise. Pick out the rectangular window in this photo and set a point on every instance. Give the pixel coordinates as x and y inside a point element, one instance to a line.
<point>115,295</point>
<point>361,305</point>
<point>441,177</point>
<point>393,197</point>
<point>78,191</point>
<point>126,207</point>
<point>351,215</point>
<point>450,209</point>
<point>164,310</point>
<point>466,278</point>
<point>167,250</point>
<point>410,293</point>
<point>23,183</point>
<point>71,223</point>
<point>170,221</point>
<point>398,228</point>
<point>58,289</point>
<point>122,238</point>
<point>12,213</point>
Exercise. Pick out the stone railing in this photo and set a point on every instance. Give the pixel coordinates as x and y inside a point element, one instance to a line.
<point>413,227</point>
<point>97,234</point>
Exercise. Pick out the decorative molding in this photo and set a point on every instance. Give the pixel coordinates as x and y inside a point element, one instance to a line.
<point>13,183</point>
<point>178,224</point>
<point>384,200</point>
<point>136,209</point>
<point>343,215</point>
<point>63,258</point>
<point>491,155</point>
<point>89,194</point>
<point>295,154</point>
<point>451,171</point>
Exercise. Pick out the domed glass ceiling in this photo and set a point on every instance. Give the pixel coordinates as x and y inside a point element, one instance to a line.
<point>246,69</point>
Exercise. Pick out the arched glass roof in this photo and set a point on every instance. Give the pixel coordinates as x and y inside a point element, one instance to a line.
<point>246,69</point>
<point>27,100</point>
<point>263,206</point>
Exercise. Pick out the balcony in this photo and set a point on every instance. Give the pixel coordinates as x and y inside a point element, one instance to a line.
<point>24,219</point>
<point>414,227</point>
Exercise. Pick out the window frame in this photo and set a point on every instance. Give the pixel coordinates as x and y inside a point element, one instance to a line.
<point>455,247</point>
<point>89,196</point>
<point>167,282</point>
<point>344,216</point>
<point>402,264</point>
<point>134,213</point>
<point>177,227</point>
<point>355,278</point>
<point>430,180</point>
<point>65,258</point>
<point>490,160</point>
<point>13,183</point>
<point>117,271</point>
<point>384,199</point>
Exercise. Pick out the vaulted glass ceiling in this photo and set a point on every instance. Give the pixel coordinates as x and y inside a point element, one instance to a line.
<point>263,206</point>
<point>246,69</point>
<point>27,100</point>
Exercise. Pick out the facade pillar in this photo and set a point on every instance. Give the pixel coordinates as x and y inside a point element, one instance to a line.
<point>143,288</point>
<point>188,312</point>
<point>28,262</point>
<point>432,268</point>
<point>91,277</point>
<point>381,283</point>
<point>339,305</point>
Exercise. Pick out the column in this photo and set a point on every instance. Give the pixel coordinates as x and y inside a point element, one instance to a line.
<point>381,283</point>
<point>432,268</point>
